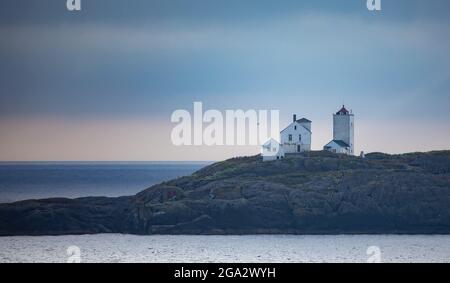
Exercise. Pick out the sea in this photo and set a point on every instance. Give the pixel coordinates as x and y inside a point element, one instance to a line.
<point>115,248</point>
<point>33,180</point>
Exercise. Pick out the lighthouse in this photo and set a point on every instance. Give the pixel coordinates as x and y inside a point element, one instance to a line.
<point>343,133</point>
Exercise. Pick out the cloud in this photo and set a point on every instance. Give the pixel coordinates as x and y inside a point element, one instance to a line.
<point>123,63</point>
<point>304,31</point>
<point>94,65</point>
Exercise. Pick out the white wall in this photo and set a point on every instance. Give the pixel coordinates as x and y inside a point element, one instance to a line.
<point>295,129</point>
<point>343,129</point>
<point>272,150</point>
<point>334,147</point>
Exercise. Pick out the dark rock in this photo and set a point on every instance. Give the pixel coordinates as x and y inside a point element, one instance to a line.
<point>314,192</point>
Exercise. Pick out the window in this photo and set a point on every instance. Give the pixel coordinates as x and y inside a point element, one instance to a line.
<point>290,137</point>
<point>299,137</point>
<point>295,127</point>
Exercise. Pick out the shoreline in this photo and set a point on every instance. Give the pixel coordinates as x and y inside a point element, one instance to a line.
<point>315,193</point>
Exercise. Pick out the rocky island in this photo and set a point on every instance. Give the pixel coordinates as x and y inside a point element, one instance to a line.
<point>314,192</point>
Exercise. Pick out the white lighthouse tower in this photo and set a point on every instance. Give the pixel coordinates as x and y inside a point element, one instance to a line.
<point>343,133</point>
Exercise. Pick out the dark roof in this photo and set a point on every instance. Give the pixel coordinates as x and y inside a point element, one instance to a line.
<point>343,111</point>
<point>270,141</point>
<point>341,143</point>
<point>303,120</point>
<point>300,126</point>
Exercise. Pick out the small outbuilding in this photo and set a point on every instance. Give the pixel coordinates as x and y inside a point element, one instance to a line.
<point>272,150</point>
<point>337,146</point>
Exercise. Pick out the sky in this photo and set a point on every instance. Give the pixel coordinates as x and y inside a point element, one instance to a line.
<point>101,84</point>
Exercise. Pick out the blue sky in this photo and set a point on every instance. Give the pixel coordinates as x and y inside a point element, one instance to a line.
<point>126,65</point>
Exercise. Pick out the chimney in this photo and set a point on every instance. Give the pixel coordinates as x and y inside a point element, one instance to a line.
<point>295,117</point>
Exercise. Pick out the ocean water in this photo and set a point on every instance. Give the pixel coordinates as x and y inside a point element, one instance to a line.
<point>27,180</point>
<point>251,248</point>
<point>20,181</point>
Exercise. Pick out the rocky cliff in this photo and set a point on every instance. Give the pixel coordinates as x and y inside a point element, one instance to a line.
<point>315,192</point>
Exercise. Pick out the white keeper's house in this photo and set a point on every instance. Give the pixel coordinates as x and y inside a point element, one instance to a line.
<point>297,136</point>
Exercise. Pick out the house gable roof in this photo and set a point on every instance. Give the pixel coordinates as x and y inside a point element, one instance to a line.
<point>339,143</point>
<point>302,120</point>
<point>270,142</point>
